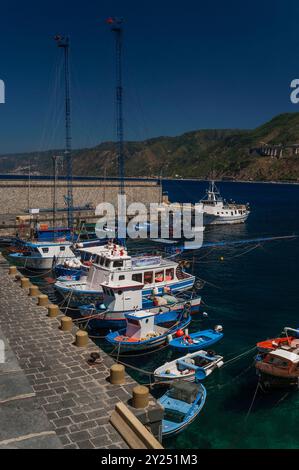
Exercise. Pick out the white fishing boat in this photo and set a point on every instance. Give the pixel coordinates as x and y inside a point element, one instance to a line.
<point>217,211</point>
<point>189,366</point>
<point>43,255</point>
<point>153,271</point>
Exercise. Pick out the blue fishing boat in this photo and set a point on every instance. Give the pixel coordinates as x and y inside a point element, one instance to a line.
<point>196,341</point>
<point>142,333</point>
<point>182,403</point>
<point>110,312</point>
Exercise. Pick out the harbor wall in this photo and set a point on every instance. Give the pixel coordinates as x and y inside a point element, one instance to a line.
<point>16,196</point>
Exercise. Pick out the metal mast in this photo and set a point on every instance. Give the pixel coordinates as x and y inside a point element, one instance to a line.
<point>64,43</point>
<point>116,28</point>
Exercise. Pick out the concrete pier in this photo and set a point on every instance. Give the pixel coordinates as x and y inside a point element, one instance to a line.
<point>49,395</point>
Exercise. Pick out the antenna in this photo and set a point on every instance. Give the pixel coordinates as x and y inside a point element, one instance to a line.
<point>64,43</point>
<point>116,28</point>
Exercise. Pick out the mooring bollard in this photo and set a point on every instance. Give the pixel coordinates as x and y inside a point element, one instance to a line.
<point>42,300</point>
<point>33,291</point>
<point>81,339</point>
<point>53,311</point>
<point>12,270</point>
<point>66,324</point>
<point>117,374</point>
<point>140,396</point>
<point>25,283</point>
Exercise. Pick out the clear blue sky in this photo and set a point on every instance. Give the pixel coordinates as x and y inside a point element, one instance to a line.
<point>188,65</point>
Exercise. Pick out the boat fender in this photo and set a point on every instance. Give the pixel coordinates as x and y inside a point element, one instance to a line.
<point>218,328</point>
<point>169,338</point>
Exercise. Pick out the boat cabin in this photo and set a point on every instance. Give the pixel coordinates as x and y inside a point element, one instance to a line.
<point>140,325</point>
<point>121,296</point>
<point>117,265</point>
<point>280,363</point>
<point>49,250</point>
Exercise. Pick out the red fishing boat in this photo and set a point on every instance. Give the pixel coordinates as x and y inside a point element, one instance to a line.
<point>277,362</point>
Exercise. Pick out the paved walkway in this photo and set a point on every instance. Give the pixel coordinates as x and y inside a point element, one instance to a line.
<point>49,395</point>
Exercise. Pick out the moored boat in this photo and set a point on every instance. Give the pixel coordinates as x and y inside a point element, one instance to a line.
<point>154,272</point>
<point>197,365</point>
<point>196,341</point>
<point>42,255</point>
<point>123,297</point>
<point>182,403</point>
<point>142,333</point>
<point>277,363</point>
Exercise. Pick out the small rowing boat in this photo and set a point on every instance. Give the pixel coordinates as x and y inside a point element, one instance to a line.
<point>182,403</point>
<point>196,341</point>
<point>197,365</point>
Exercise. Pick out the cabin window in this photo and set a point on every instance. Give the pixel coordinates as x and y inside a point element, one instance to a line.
<point>148,277</point>
<point>107,263</point>
<point>169,274</point>
<point>62,248</point>
<point>101,260</point>
<point>232,213</point>
<point>159,276</point>
<point>119,292</point>
<point>118,264</point>
<point>133,322</point>
<point>121,278</point>
<point>137,277</point>
<point>45,250</point>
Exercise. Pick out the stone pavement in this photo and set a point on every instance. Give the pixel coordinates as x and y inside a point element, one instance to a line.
<point>47,388</point>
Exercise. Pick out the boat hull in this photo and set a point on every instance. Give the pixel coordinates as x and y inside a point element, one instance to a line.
<point>221,220</point>
<point>37,262</point>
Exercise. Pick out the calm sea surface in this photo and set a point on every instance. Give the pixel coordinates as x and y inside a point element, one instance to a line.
<point>253,293</point>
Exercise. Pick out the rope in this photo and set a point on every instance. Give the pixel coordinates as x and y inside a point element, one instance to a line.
<point>238,357</point>
<point>251,405</point>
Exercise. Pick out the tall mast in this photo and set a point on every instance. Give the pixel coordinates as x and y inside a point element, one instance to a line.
<point>64,43</point>
<point>116,28</point>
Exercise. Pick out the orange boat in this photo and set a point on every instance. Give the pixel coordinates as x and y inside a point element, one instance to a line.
<point>277,363</point>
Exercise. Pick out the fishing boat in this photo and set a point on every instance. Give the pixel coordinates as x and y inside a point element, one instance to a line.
<point>142,333</point>
<point>123,297</point>
<point>192,366</point>
<point>153,271</point>
<point>217,211</point>
<point>42,255</point>
<point>182,403</point>
<point>196,341</point>
<point>278,365</point>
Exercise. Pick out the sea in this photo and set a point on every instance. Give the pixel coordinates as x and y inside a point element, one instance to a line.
<point>252,290</point>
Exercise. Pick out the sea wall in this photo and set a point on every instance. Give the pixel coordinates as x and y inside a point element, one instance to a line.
<point>17,195</point>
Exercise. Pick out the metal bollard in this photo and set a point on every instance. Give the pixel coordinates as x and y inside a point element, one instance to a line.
<point>66,323</point>
<point>140,397</point>
<point>117,374</point>
<point>42,300</point>
<point>81,339</point>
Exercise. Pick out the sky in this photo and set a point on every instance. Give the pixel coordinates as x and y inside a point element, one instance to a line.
<point>187,65</point>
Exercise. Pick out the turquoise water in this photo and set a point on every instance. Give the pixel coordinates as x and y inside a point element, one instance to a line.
<point>253,293</point>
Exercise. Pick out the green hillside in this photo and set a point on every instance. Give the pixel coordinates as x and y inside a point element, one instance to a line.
<point>221,152</point>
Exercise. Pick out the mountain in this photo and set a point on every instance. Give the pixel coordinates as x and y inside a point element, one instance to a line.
<point>225,153</point>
